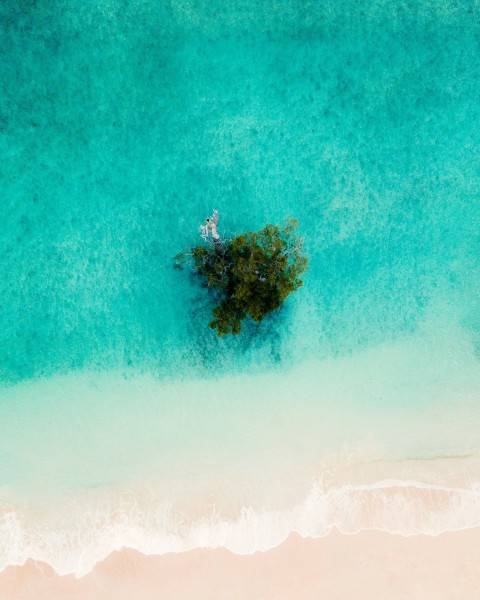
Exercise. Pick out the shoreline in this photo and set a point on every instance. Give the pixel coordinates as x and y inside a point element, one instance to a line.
<point>366,564</point>
<point>75,541</point>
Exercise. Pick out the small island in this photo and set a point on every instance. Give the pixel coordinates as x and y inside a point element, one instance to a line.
<point>251,274</point>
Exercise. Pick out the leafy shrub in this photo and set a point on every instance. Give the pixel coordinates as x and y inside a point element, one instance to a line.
<point>252,273</point>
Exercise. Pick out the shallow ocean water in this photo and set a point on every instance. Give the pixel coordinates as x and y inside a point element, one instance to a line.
<point>122,125</point>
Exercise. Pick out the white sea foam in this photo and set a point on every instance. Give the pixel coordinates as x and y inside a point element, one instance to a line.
<point>73,541</point>
<point>349,423</point>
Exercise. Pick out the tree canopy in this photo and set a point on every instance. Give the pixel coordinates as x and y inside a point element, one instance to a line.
<point>252,273</point>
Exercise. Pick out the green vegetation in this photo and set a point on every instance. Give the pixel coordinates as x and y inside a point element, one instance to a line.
<point>252,274</point>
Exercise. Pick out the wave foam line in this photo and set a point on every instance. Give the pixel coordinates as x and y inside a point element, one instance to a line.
<point>76,542</point>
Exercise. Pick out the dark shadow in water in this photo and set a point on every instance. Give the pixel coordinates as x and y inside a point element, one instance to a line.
<point>259,346</point>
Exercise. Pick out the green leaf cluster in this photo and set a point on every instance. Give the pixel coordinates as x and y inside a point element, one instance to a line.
<point>253,273</point>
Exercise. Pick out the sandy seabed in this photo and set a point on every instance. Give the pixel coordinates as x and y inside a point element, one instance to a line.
<point>370,565</point>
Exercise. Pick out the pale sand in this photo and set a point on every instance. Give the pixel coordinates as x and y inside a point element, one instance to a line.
<point>370,565</point>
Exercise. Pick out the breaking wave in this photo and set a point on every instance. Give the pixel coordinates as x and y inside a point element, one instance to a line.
<point>75,545</point>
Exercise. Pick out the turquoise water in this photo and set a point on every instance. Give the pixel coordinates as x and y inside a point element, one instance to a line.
<point>122,125</point>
